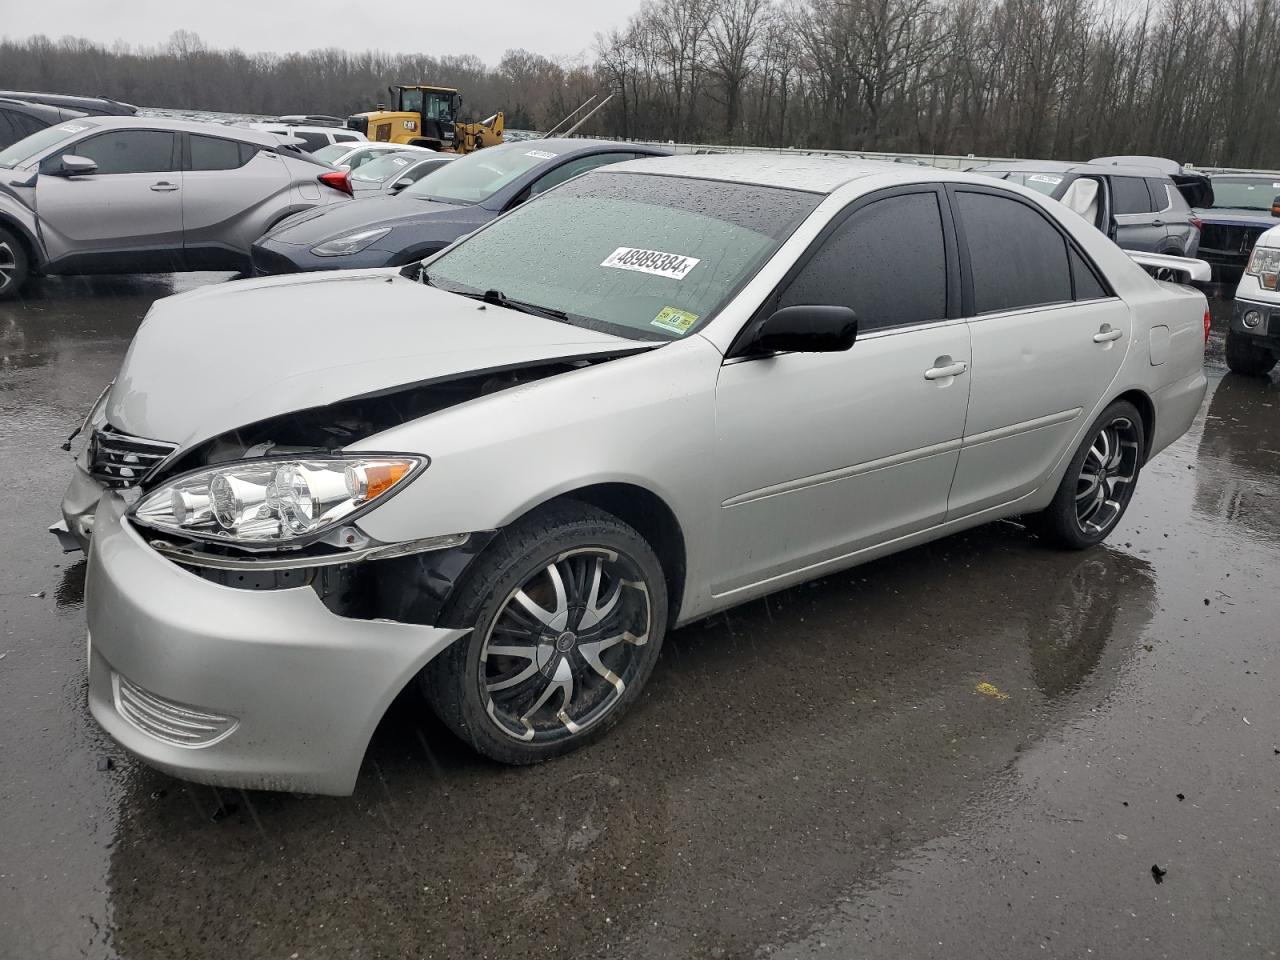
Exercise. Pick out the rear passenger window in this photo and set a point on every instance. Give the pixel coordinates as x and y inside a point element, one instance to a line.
<point>214,153</point>
<point>1087,284</point>
<point>1159,193</point>
<point>1131,196</point>
<point>345,138</point>
<point>887,262</point>
<point>1017,257</point>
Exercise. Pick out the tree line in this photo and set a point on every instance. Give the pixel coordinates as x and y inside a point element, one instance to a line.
<point>1068,79</point>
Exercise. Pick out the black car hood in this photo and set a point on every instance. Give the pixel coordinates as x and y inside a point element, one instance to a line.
<point>1237,216</point>
<point>373,213</point>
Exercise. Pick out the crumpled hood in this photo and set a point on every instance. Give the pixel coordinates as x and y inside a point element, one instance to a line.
<point>221,357</point>
<point>369,213</point>
<point>1236,217</point>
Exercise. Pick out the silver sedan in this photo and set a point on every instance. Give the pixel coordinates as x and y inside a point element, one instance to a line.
<point>659,390</point>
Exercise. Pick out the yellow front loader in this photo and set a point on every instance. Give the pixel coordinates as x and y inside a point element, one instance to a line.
<point>426,116</point>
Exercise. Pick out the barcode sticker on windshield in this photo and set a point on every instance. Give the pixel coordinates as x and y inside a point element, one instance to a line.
<point>540,154</point>
<point>1044,178</point>
<point>73,127</point>
<point>651,261</point>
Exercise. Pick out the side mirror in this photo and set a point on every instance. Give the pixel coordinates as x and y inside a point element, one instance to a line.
<point>1275,206</point>
<point>807,328</point>
<point>401,184</point>
<point>73,166</point>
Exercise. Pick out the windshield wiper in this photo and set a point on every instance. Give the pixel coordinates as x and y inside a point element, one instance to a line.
<point>500,299</point>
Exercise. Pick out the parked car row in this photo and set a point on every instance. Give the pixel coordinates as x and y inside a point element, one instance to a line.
<point>630,391</point>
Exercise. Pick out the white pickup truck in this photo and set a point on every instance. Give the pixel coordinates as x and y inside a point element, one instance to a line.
<point>1253,342</point>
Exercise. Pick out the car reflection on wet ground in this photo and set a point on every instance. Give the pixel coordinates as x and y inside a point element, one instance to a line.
<point>978,748</point>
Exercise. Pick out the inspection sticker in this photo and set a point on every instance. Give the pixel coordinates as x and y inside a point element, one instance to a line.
<point>651,261</point>
<point>1043,178</point>
<point>540,154</point>
<point>677,321</point>
<point>73,127</point>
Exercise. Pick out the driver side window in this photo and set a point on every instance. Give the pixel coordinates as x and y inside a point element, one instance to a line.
<point>120,151</point>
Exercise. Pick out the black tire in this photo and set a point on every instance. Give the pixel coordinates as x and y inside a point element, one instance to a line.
<point>1107,487</point>
<point>1247,358</point>
<point>14,265</point>
<point>480,694</point>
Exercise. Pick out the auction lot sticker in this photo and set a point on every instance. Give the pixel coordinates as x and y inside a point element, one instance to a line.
<point>660,264</point>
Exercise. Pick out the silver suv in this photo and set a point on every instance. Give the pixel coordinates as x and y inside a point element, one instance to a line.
<point>133,195</point>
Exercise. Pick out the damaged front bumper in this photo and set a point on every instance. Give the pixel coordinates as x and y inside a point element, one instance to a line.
<point>257,689</point>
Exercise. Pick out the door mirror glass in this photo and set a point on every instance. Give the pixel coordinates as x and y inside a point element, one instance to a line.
<point>73,166</point>
<point>807,328</point>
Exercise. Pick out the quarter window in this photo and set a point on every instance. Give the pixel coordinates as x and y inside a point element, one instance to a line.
<point>122,151</point>
<point>1130,195</point>
<point>1159,194</point>
<point>887,262</point>
<point>1017,258</point>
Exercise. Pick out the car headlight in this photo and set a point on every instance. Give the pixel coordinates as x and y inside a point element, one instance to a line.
<point>351,243</point>
<point>273,501</point>
<point>1265,265</point>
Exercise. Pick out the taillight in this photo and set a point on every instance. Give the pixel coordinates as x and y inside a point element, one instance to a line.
<point>338,180</point>
<point>1207,320</point>
<point>1197,223</point>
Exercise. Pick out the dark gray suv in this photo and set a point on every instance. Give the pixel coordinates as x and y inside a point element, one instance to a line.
<point>1140,208</point>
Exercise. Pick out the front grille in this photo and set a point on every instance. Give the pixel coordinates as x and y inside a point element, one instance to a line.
<point>118,460</point>
<point>1233,242</point>
<point>165,720</point>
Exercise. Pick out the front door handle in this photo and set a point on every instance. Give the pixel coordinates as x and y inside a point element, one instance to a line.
<point>164,186</point>
<point>945,368</point>
<point>1107,333</point>
<point>1157,223</point>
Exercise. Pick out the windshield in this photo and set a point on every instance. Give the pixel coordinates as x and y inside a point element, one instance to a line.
<point>640,256</point>
<point>478,176</point>
<point>40,141</point>
<point>1254,193</point>
<point>377,171</point>
<point>1044,183</point>
<point>332,152</point>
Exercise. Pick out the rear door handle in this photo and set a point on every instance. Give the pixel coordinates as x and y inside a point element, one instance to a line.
<point>947,370</point>
<point>164,186</point>
<point>1107,334</point>
<point>1157,223</point>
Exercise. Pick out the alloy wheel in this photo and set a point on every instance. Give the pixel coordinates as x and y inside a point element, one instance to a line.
<point>1106,479</point>
<point>563,647</point>
<point>8,264</point>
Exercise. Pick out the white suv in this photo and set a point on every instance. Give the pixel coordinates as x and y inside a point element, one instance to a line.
<point>312,137</point>
<point>1253,341</point>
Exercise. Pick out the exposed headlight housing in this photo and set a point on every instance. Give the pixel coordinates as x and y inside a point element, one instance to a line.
<point>274,502</point>
<point>1265,265</point>
<point>351,243</point>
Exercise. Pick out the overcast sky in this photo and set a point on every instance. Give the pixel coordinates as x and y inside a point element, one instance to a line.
<point>485,28</point>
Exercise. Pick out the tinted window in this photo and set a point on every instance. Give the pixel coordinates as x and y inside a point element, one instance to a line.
<point>574,167</point>
<point>1016,257</point>
<point>345,138</point>
<point>125,151</point>
<point>7,132</point>
<point>214,153</point>
<point>1130,195</point>
<point>1159,195</point>
<point>28,147</point>
<point>24,125</point>
<point>861,264</point>
<point>310,141</point>
<point>1087,284</point>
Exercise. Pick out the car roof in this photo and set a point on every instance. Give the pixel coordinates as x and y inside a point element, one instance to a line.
<point>304,127</point>
<point>1241,175</point>
<point>815,174</point>
<point>45,111</point>
<point>91,105</point>
<point>1066,166</point>
<point>226,131</point>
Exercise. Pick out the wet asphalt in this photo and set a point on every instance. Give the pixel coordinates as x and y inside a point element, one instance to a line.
<point>979,748</point>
